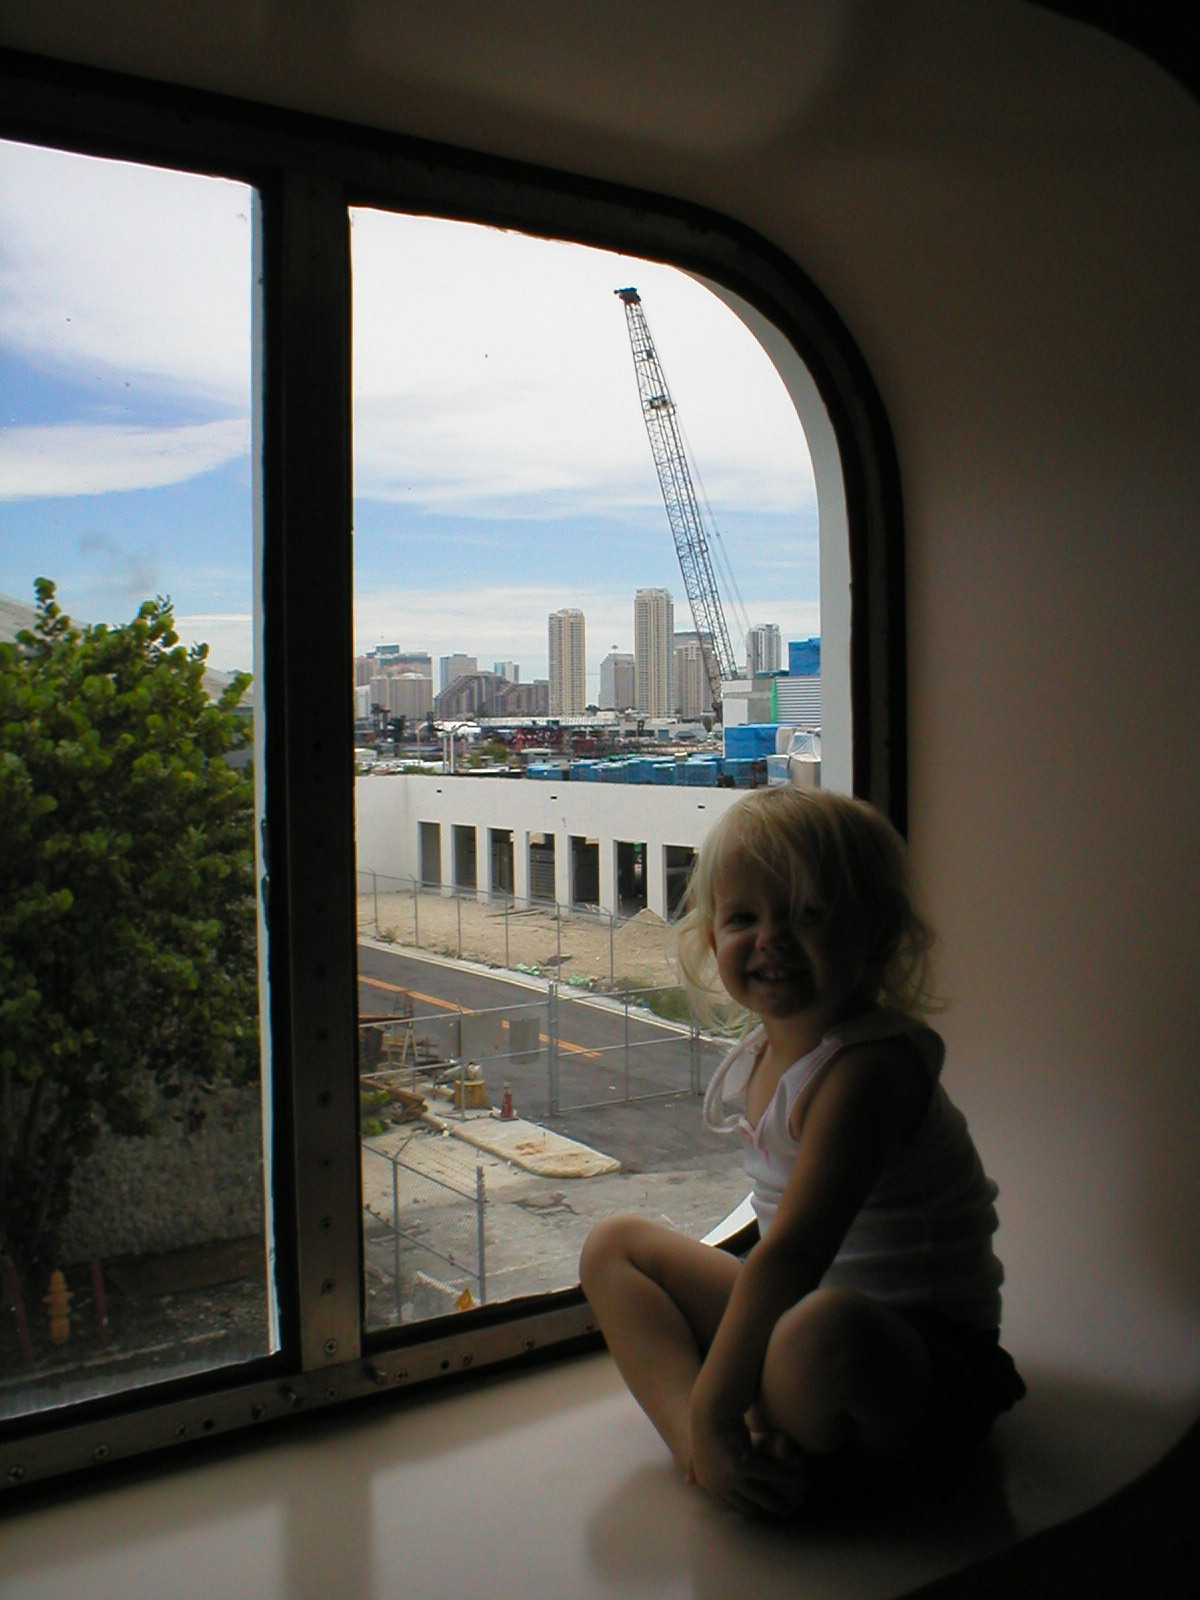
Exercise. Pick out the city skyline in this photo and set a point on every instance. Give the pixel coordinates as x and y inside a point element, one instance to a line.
<point>566,681</point>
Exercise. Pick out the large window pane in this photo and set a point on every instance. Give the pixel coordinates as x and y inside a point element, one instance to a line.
<point>537,751</point>
<point>134,1229</point>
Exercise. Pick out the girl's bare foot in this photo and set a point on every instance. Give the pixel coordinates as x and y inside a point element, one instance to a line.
<point>781,1448</point>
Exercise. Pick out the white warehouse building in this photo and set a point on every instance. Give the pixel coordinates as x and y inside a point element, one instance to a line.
<point>612,845</point>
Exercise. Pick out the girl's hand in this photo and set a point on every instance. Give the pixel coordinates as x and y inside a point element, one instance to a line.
<point>727,1462</point>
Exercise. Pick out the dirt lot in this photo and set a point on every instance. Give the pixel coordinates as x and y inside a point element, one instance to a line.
<point>579,946</point>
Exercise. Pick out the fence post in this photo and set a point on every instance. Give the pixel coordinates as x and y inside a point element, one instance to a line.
<point>482,1243</point>
<point>375,893</point>
<point>612,962</point>
<point>552,1048</point>
<point>396,1234</point>
<point>558,938</point>
<point>507,962</point>
<point>626,999</point>
<point>458,917</point>
<point>416,917</point>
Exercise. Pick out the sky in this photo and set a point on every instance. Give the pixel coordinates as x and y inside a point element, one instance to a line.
<point>502,469</point>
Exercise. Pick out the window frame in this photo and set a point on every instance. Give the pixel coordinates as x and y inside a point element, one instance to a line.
<point>309,172</point>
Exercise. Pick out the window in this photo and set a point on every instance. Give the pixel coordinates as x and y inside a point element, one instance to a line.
<point>338,1321</point>
<point>137,1227</point>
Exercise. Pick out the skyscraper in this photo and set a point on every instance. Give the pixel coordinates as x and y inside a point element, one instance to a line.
<point>693,695</point>
<point>616,681</point>
<point>764,650</point>
<point>653,650</point>
<point>568,664</point>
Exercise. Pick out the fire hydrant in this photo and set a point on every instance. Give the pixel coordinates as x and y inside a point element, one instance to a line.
<point>507,1113</point>
<point>58,1306</point>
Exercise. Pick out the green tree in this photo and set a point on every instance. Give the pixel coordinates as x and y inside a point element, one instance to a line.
<point>127,917</point>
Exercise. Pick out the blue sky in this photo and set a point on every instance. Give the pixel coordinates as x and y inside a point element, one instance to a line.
<point>501,464</point>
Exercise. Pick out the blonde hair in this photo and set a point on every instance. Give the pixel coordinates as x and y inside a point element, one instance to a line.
<point>842,863</point>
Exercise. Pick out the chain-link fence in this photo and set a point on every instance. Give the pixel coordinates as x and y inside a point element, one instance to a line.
<point>645,1045</point>
<point>598,1023</point>
<point>581,945</point>
<point>423,1238</point>
<point>557,1052</point>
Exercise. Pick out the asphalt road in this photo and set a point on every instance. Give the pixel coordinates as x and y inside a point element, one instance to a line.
<point>626,1083</point>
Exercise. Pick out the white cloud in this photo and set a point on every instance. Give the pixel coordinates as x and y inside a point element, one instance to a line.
<point>230,638</point>
<point>114,265</point>
<point>79,458</point>
<point>488,365</point>
<point>492,379</point>
<point>490,368</point>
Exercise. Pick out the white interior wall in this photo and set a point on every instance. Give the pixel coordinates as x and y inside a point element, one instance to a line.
<point>1031,321</point>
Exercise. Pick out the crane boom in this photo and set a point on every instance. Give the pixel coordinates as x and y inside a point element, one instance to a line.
<point>683,511</point>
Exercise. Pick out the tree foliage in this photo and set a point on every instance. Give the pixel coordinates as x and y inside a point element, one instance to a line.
<point>127,917</point>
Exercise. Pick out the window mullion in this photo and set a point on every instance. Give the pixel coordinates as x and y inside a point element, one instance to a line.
<point>318,1192</point>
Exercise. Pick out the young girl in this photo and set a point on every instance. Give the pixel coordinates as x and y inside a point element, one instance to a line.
<point>863,1326</point>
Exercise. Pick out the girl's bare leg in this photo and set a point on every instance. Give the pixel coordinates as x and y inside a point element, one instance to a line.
<point>844,1374</point>
<point>658,1297</point>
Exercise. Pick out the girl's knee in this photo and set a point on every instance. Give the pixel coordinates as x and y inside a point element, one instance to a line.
<point>846,1343</point>
<point>612,1241</point>
<point>823,1336</point>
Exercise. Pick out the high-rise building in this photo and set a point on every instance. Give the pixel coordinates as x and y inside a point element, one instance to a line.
<point>389,661</point>
<point>508,670</point>
<point>455,666</point>
<point>410,695</point>
<point>402,694</point>
<point>764,649</point>
<point>616,681</point>
<point>653,642</point>
<point>693,696</point>
<point>568,664</point>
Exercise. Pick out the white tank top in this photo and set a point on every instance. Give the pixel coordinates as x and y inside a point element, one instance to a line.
<point>923,1238</point>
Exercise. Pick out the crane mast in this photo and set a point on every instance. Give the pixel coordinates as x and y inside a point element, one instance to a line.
<point>683,511</point>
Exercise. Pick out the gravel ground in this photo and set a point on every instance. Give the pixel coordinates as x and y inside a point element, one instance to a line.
<point>636,952</point>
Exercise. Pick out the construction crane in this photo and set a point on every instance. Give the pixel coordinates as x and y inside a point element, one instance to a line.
<point>683,511</point>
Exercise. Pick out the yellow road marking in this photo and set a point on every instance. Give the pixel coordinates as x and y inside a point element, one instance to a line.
<point>398,988</point>
<point>452,1005</point>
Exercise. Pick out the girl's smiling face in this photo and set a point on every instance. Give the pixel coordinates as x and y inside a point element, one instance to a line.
<point>773,959</point>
